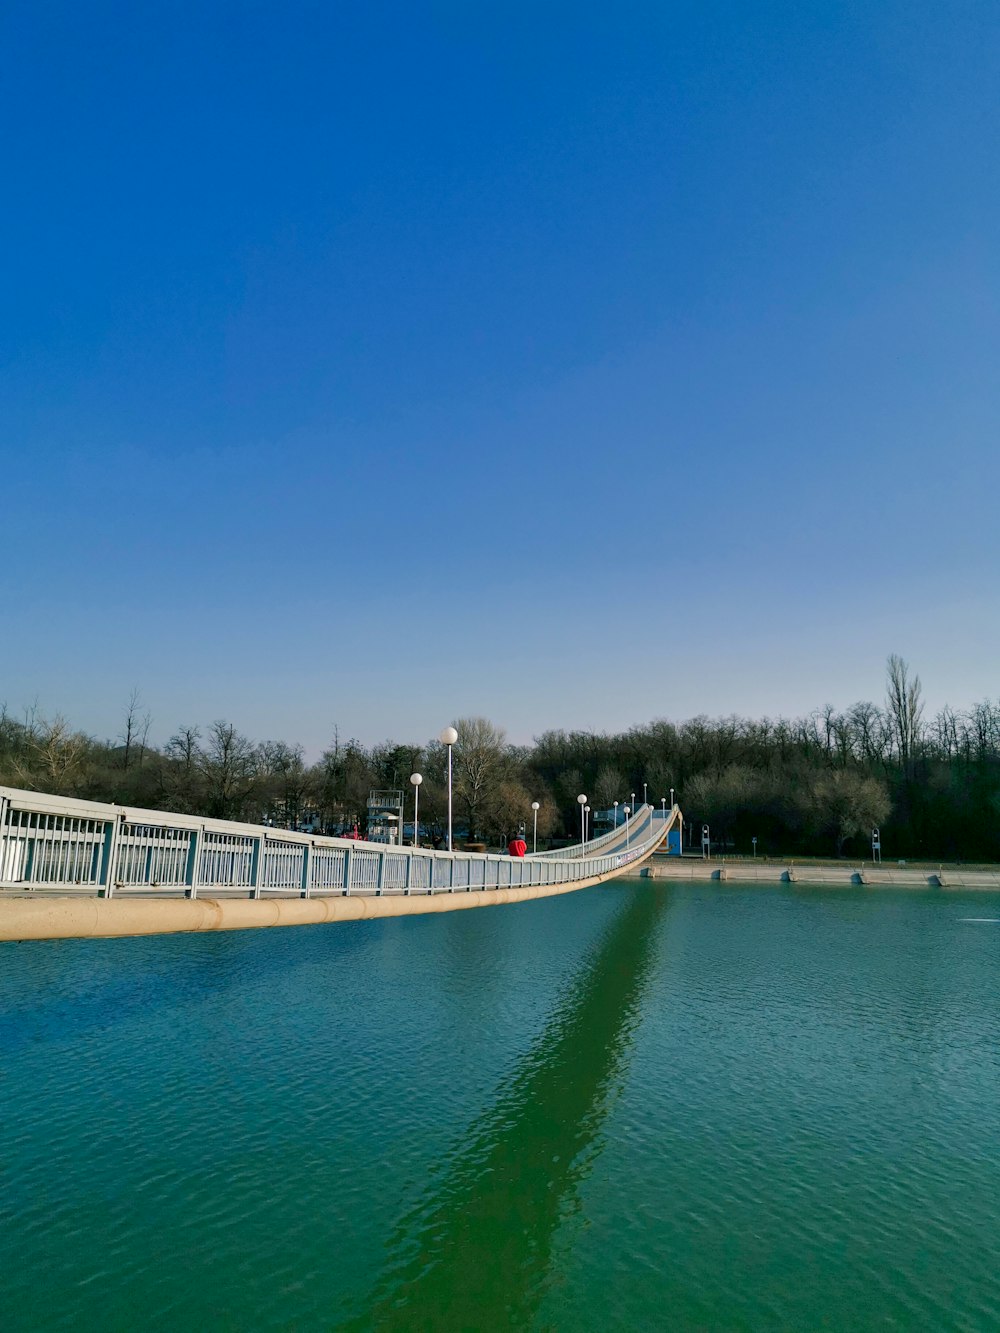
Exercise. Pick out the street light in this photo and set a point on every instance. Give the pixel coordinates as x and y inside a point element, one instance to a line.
<point>628,811</point>
<point>416,779</point>
<point>586,823</point>
<point>448,737</point>
<point>663,802</point>
<point>534,844</point>
<point>582,801</point>
<point>633,800</point>
<point>616,814</point>
<point>671,798</point>
<point>644,793</point>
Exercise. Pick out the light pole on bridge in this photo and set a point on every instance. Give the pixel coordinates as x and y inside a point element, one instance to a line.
<point>628,811</point>
<point>534,810</point>
<point>448,737</point>
<point>582,801</point>
<point>416,779</point>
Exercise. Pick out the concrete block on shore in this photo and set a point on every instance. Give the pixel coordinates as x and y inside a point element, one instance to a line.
<point>858,877</point>
<point>649,872</point>
<point>788,876</point>
<point>720,873</point>
<point>935,881</point>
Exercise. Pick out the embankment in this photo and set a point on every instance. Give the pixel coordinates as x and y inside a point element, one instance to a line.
<point>832,875</point>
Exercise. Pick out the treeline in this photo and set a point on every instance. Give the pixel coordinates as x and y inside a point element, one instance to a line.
<point>812,785</point>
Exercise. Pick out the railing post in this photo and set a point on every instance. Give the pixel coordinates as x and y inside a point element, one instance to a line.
<point>307,870</point>
<point>194,857</point>
<point>409,873</point>
<point>381,874</point>
<point>347,871</point>
<point>106,888</point>
<point>451,877</point>
<point>257,865</point>
<point>4,807</point>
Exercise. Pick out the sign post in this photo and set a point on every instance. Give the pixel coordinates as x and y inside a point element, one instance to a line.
<point>876,847</point>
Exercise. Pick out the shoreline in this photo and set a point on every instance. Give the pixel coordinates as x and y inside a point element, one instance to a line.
<point>849,875</point>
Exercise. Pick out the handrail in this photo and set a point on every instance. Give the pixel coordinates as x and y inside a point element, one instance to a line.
<point>644,818</point>
<point>54,844</point>
<point>575,849</point>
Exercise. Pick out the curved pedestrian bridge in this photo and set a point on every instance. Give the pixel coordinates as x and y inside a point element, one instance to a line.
<point>71,868</point>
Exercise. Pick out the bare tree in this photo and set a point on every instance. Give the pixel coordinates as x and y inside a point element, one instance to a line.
<point>54,756</point>
<point>945,732</point>
<point>984,727</point>
<point>480,765</point>
<point>905,711</point>
<point>135,730</point>
<point>183,773</point>
<point>228,764</point>
<point>285,781</point>
<point>608,787</point>
<point>870,733</point>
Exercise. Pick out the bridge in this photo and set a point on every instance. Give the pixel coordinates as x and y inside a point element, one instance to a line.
<point>72,868</point>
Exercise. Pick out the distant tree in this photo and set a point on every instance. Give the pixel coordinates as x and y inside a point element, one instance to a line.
<point>848,803</point>
<point>182,773</point>
<point>870,738</point>
<point>284,782</point>
<point>905,711</point>
<point>506,807</point>
<point>229,767</point>
<point>480,765</point>
<point>53,758</point>
<point>608,787</point>
<point>343,779</point>
<point>135,730</point>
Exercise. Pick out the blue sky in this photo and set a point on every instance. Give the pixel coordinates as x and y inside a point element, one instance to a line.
<point>575,365</point>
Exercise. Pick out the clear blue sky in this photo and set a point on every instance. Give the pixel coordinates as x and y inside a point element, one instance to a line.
<point>571,364</point>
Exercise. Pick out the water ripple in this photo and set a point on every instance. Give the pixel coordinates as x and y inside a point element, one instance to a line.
<point>771,1109</point>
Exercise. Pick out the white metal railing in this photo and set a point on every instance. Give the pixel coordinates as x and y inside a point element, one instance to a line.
<point>55,844</point>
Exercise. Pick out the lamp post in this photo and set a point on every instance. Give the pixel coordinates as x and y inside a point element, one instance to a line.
<point>663,802</point>
<point>671,798</point>
<point>628,811</point>
<point>633,803</point>
<point>644,793</point>
<point>534,842</point>
<point>416,779</point>
<point>586,823</point>
<point>448,737</point>
<point>616,814</point>
<point>582,801</point>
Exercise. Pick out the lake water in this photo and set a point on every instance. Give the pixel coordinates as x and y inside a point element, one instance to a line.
<point>640,1106</point>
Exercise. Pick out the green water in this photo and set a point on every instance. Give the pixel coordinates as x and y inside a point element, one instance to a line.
<point>641,1106</point>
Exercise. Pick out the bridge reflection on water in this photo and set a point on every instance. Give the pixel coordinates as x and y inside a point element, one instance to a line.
<point>475,1250</point>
